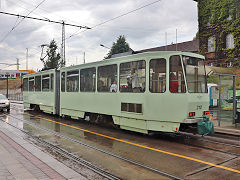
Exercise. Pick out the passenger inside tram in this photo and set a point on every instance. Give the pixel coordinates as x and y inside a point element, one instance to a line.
<point>134,81</point>
<point>173,83</point>
<point>113,87</point>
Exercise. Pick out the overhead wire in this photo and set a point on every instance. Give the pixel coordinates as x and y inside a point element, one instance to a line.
<point>15,26</point>
<point>13,2</point>
<point>117,17</point>
<point>63,18</point>
<point>77,32</point>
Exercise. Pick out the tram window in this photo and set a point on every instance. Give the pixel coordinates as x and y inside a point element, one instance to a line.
<point>73,81</point>
<point>37,83</point>
<point>107,78</point>
<point>176,77</point>
<point>45,82</point>
<point>133,76</point>
<point>31,83</point>
<point>195,74</point>
<point>63,82</point>
<point>25,84</point>
<point>157,76</point>
<point>52,81</point>
<point>88,80</point>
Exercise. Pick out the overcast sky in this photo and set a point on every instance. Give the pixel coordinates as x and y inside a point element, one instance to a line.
<point>143,29</point>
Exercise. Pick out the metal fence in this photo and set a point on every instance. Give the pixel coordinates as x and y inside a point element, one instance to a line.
<point>15,97</point>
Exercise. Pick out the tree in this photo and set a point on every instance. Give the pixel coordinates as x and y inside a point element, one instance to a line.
<point>53,58</point>
<point>120,46</point>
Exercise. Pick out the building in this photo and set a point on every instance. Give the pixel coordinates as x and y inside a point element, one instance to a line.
<point>189,46</point>
<point>14,74</point>
<point>219,31</point>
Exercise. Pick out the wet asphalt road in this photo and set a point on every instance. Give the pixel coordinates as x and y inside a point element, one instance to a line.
<point>174,156</point>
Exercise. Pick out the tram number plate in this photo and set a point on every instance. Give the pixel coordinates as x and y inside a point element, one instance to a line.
<point>199,107</point>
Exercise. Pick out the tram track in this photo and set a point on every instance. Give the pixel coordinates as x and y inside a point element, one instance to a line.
<point>210,149</point>
<point>83,162</point>
<point>210,140</point>
<point>63,152</point>
<point>193,138</point>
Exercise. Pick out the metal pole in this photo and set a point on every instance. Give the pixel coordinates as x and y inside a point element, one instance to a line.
<point>219,100</point>
<point>17,64</point>
<point>234,100</point>
<point>27,59</point>
<point>176,40</point>
<point>165,41</point>
<point>7,85</point>
<point>83,57</point>
<point>21,82</point>
<point>63,43</point>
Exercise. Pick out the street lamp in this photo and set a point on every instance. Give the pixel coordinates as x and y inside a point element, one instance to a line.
<point>42,46</point>
<point>104,46</point>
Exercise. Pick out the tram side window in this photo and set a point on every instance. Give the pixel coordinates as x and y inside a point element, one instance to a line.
<point>157,76</point>
<point>88,80</point>
<point>107,78</point>
<point>73,81</point>
<point>176,77</point>
<point>25,84</point>
<point>52,81</point>
<point>45,82</point>
<point>38,83</point>
<point>31,83</point>
<point>195,74</point>
<point>133,76</point>
<point>63,82</point>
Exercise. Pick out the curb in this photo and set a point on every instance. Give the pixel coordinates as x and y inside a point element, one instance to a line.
<point>234,132</point>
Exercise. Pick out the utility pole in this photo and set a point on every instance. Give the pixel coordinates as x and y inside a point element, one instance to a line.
<point>63,42</point>
<point>165,41</point>
<point>7,84</point>
<point>17,64</point>
<point>27,59</point>
<point>83,57</point>
<point>176,40</point>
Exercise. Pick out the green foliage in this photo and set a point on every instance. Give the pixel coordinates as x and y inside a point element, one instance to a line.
<point>213,79</point>
<point>120,46</point>
<point>214,21</point>
<point>54,59</point>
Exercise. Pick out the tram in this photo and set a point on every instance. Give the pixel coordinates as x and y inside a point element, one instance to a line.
<point>145,92</point>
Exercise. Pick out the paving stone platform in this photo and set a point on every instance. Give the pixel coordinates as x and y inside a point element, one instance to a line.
<point>20,159</point>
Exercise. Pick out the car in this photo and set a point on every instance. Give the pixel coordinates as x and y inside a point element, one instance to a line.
<point>4,103</point>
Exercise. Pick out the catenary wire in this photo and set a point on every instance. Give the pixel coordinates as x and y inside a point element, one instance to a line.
<point>13,2</point>
<point>14,27</point>
<point>117,17</point>
<point>49,12</point>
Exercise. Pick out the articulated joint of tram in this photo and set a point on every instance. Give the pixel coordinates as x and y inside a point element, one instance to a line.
<point>201,124</point>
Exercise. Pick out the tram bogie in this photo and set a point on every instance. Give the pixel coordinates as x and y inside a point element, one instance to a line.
<point>147,92</point>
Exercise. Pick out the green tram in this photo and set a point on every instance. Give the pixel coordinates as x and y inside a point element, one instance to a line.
<point>146,92</point>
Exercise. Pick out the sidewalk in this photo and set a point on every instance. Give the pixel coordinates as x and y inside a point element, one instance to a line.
<point>20,159</point>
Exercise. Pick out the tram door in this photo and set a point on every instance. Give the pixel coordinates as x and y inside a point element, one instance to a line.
<point>176,77</point>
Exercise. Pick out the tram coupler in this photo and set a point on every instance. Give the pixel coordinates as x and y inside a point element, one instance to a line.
<point>205,127</point>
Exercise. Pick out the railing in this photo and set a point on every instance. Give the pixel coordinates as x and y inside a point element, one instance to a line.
<point>15,97</point>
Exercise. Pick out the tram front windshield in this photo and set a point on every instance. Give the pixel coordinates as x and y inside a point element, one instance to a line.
<point>195,74</point>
